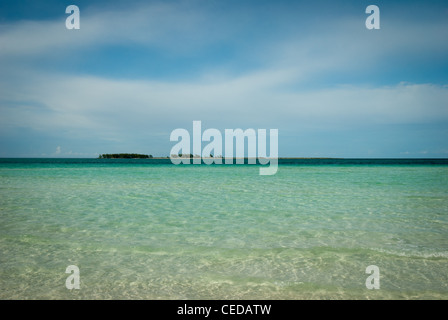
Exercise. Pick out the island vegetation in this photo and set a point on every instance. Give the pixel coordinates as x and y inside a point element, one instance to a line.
<point>124,156</point>
<point>184,155</point>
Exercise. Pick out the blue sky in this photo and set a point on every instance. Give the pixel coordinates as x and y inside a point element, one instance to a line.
<point>136,70</point>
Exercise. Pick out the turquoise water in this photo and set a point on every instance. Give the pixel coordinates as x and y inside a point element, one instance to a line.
<point>140,230</point>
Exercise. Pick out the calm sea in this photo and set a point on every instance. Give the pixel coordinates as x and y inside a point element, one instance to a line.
<point>147,229</point>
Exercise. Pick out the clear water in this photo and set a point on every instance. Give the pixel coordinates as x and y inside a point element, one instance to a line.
<point>143,230</point>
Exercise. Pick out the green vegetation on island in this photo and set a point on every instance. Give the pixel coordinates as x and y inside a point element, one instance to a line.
<point>124,156</point>
<point>184,155</point>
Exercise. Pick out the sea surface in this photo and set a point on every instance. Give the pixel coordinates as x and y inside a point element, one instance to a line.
<point>148,229</point>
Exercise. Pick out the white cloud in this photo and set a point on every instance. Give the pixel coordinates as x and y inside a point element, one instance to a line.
<point>114,106</point>
<point>402,103</point>
<point>179,27</point>
<point>176,27</point>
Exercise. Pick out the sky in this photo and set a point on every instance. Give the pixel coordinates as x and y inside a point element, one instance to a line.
<point>137,70</point>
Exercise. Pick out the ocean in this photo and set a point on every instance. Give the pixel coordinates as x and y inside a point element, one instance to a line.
<point>148,229</point>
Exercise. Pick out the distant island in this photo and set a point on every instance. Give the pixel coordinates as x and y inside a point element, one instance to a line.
<point>124,156</point>
<point>191,156</point>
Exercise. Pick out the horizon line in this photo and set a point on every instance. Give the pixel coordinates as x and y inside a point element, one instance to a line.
<point>167,157</point>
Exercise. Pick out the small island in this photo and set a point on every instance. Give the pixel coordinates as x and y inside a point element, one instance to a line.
<point>124,156</point>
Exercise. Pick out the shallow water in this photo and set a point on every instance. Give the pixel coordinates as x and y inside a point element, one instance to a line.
<point>145,230</point>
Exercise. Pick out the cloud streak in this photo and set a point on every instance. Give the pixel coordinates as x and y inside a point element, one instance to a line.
<point>70,102</point>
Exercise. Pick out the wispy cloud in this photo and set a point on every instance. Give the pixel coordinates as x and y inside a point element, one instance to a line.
<point>70,102</point>
<point>176,27</point>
